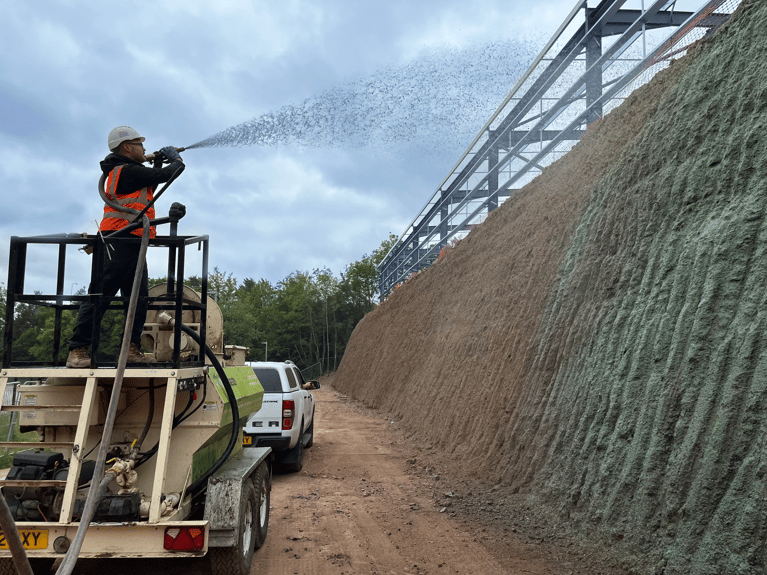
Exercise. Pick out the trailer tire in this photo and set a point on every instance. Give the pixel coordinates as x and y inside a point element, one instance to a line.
<point>263,489</point>
<point>236,560</point>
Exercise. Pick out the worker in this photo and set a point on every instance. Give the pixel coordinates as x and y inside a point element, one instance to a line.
<point>126,179</point>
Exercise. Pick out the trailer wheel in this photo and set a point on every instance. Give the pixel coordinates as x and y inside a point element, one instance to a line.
<point>236,560</point>
<point>263,491</point>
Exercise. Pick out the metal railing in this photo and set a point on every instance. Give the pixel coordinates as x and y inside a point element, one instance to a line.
<point>10,398</point>
<point>61,302</point>
<point>569,85</point>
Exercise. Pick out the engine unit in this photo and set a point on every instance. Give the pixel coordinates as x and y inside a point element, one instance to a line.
<point>40,503</point>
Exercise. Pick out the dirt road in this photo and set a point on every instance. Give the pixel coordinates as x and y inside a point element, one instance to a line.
<point>355,509</point>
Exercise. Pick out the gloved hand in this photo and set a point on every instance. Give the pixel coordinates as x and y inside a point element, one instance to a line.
<point>170,153</point>
<point>177,211</point>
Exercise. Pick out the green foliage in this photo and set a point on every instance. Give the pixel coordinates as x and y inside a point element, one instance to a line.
<point>380,253</point>
<point>42,345</point>
<point>360,282</point>
<point>6,460</point>
<point>307,317</point>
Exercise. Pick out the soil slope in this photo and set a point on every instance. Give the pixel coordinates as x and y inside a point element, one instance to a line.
<point>597,346</point>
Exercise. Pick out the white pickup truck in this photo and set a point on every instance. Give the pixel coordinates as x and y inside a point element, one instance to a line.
<point>285,421</point>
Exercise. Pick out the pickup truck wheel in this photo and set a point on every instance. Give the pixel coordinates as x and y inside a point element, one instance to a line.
<point>310,432</point>
<point>296,454</point>
<point>236,560</point>
<point>261,484</point>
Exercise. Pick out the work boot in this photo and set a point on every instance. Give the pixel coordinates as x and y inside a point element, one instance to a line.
<point>79,358</point>
<point>136,356</point>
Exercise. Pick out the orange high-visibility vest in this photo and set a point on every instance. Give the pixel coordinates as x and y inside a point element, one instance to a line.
<point>116,220</point>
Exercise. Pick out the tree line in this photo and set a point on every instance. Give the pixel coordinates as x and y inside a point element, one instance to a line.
<point>307,318</point>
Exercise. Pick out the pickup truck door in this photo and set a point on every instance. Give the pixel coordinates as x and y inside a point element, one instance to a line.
<point>308,399</point>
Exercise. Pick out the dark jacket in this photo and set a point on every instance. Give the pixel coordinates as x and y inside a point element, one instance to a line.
<point>134,189</point>
<point>136,176</point>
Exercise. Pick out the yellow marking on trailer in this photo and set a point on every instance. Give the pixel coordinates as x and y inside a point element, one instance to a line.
<point>30,538</point>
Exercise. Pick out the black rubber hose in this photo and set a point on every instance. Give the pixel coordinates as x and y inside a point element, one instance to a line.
<point>201,483</point>
<point>178,420</point>
<point>199,405</point>
<point>147,455</point>
<point>158,193</point>
<point>151,414</point>
<point>180,417</point>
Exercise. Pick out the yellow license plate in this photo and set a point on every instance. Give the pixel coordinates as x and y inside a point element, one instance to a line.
<point>31,538</point>
<point>247,440</point>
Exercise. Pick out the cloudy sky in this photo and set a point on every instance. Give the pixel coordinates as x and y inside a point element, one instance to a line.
<point>367,106</point>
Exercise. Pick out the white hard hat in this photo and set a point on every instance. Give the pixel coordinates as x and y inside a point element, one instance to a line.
<point>122,134</point>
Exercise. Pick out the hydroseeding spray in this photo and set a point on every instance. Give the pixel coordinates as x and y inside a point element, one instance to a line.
<point>441,97</point>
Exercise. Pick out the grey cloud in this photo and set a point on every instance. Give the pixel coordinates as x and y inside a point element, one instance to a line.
<point>182,71</point>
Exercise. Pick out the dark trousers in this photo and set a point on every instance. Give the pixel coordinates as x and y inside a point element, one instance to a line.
<point>118,276</point>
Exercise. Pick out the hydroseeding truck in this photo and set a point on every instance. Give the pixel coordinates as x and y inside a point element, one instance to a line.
<point>170,478</point>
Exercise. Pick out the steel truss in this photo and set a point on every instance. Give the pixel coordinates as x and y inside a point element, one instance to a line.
<point>569,85</point>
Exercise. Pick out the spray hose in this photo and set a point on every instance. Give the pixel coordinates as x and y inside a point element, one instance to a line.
<point>96,491</point>
<point>152,156</point>
<point>200,484</point>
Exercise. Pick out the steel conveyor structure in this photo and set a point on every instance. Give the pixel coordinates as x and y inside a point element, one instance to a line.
<point>612,49</point>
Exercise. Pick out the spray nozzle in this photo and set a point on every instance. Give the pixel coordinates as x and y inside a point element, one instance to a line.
<point>153,155</point>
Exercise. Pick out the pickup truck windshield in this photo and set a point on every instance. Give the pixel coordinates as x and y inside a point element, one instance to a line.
<point>269,378</point>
